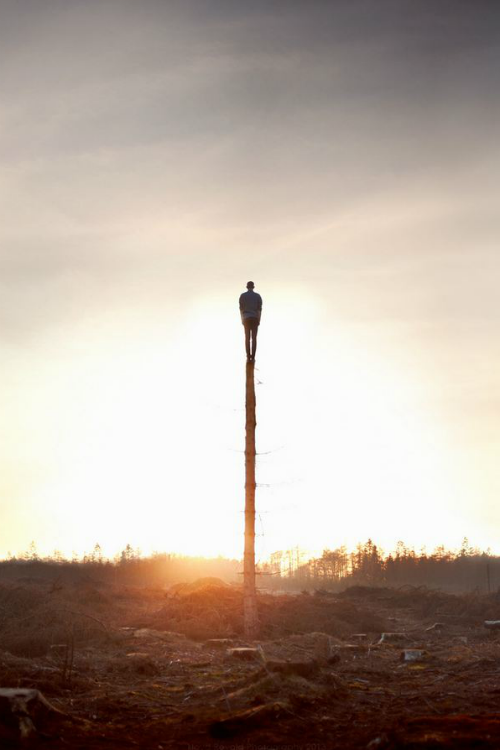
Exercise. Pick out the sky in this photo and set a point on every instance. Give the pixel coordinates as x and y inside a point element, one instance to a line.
<point>154,157</point>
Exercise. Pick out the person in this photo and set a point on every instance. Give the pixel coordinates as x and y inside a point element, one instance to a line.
<point>250,310</point>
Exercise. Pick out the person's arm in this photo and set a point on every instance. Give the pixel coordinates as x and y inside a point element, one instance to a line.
<point>241,310</point>
<point>260,308</point>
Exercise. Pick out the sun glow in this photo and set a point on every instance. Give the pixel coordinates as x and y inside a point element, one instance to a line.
<point>141,438</point>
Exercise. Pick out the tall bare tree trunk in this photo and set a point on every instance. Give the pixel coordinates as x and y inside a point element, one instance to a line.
<point>251,620</point>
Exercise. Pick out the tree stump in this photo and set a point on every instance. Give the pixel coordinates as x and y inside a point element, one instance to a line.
<point>22,712</point>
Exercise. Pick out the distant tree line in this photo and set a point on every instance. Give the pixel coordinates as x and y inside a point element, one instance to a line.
<point>128,567</point>
<point>463,570</point>
<point>466,569</point>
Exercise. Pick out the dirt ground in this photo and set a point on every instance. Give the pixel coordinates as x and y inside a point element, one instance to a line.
<point>137,668</point>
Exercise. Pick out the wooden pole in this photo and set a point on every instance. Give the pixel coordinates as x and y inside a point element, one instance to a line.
<point>251,621</point>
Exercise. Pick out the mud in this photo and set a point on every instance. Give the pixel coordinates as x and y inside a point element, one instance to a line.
<point>135,668</point>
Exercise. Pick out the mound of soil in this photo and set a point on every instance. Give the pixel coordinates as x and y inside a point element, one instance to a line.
<point>207,610</point>
<point>201,584</point>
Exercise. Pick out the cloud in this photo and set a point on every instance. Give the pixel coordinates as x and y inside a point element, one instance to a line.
<point>165,145</point>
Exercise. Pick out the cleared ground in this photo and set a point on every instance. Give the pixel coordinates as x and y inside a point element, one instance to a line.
<point>139,668</point>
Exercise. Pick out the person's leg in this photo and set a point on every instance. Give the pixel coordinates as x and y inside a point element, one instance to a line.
<point>246,325</point>
<point>255,328</point>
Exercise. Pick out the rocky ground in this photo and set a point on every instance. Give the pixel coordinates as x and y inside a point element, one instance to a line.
<point>137,668</point>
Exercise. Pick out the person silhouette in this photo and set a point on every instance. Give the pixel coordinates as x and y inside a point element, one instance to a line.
<point>250,311</point>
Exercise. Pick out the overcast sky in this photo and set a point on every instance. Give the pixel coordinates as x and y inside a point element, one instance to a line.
<point>154,156</point>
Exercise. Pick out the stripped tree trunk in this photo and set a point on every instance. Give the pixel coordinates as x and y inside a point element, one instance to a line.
<point>249,599</point>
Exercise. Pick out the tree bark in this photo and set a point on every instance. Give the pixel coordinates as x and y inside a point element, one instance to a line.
<point>251,621</point>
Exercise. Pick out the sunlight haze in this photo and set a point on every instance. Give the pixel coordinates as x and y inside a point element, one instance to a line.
<point>155,157</point>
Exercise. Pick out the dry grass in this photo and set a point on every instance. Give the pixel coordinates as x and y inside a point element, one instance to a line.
<point>34,618</point>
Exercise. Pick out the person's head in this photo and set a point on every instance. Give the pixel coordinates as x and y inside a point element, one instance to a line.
<point>250,285</point>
